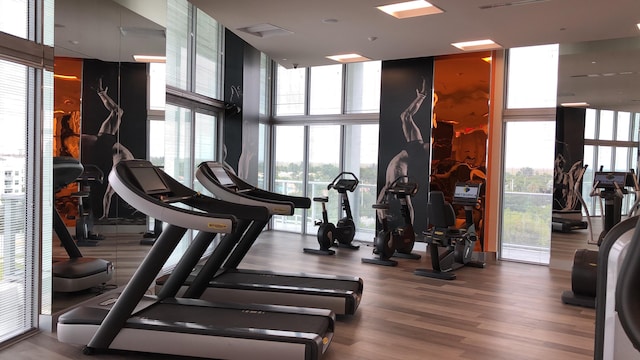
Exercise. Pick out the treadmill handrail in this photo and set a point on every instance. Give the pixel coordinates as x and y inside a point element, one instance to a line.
<point>299,202</point>
<point>208,180</point>
<point>119,178</point>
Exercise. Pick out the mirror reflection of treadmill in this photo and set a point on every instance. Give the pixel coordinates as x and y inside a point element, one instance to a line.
<point>154,185</point>
<point>75,273</point>
<point>339,293</point>
<point>130,320</point>
<point>570,220</point>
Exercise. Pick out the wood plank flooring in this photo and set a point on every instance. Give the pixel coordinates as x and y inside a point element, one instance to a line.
<point>505,311</point>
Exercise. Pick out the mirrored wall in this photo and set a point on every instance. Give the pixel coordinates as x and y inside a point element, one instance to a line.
<point>598,86</point>
<point>104,102</point>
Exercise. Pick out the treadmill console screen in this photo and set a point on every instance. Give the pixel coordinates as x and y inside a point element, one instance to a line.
<point>609,180</point>
<point>466,193</point>
<point>221,174</point>
<point>149,180</point>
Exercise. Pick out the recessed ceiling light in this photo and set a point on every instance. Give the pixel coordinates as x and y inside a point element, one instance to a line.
<point>348,58</point>
<point>65,77</point>
<point>410,9</point>
<point>575,104</point>
<point>150,58</point>
<point>477,45</point>
<point>638,25</point>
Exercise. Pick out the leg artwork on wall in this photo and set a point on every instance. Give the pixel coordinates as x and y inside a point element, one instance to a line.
<point>415,154</point>
<point>103,149</point>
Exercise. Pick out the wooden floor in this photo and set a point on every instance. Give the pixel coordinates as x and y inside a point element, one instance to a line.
<point>505,311</point>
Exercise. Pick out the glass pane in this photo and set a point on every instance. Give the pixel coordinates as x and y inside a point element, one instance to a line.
<point>204,143</point>
<point>48,20</point>
<point>156,142</point>
<point>606,125</point>
<point>532,77</point>
<point>363,87</point>
<point>177,144</point>
<point>157,89</point>
<point>326,90</point>
<point>289,172</point>
<point>265,83</point>
<point>177,159</point>
<point>361,158</point>
<point>262,152</point>
<point>46,286</point>
<point>622,159</point>
<point>14,18</point>
<point>636,126</point>
<point>604,158</point>
<point>208,46</point>
<point>15,259</point>
<point>290,91</point>
<point>587,179</point>
<point>178,35</point>
<point>527,193</point>
<point>590,124</point>
<point>324,166</point>
<point>623,126</point>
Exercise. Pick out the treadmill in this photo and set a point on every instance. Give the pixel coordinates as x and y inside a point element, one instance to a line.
<point>132,321</point>
<point>570,220</point>
<point>341,294</point>
<point>75,273</point>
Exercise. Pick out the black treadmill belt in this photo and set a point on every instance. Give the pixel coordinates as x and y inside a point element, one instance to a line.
<point>206,317</point>
<point>233,277</point>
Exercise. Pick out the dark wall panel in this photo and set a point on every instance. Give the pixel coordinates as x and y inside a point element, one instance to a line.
<point>405,130</point>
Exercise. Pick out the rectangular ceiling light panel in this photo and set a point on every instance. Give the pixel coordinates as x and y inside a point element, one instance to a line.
<point>410,9</point>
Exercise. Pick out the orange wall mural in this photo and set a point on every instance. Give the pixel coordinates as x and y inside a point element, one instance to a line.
<point>460,126</point>
<point>66,127</point>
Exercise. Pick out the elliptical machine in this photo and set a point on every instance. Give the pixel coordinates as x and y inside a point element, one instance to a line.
<point>399,241</point>
<point>342,233</point>
<point>459,244</point>
<point>609,186</point>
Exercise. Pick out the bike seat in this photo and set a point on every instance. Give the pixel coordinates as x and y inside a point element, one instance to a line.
<point>323,199</point>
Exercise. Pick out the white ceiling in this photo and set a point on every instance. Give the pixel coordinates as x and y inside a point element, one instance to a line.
<point>90,28</point>
<point>540,22</point>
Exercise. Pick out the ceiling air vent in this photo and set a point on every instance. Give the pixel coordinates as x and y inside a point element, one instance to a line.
<point>510,3</point>
<point>265,30</point>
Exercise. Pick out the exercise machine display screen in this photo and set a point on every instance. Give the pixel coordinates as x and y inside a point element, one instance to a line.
<point>149,180</point>
<point>609,180</point>
<point>221,174</point>
<point>466,193</point>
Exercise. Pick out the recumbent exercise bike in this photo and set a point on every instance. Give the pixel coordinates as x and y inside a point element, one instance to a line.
<point>342,233</point>
<point>395,240</point>
<point>458,244</point>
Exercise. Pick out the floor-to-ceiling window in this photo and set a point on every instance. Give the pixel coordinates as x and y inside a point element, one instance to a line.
<point>611,143</point>
<point>326,122</point>
<point>194,83</point>
<point>324,166</point>
<point>528,154</point>
<point>26,111</point>
<point>289,172</point>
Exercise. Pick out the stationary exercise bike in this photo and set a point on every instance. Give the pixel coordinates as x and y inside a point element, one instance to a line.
<point>458,244</point>
<point>85,236</point>
<point>342,233</point>
<point>610,186</point>
<point>398,240</point>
